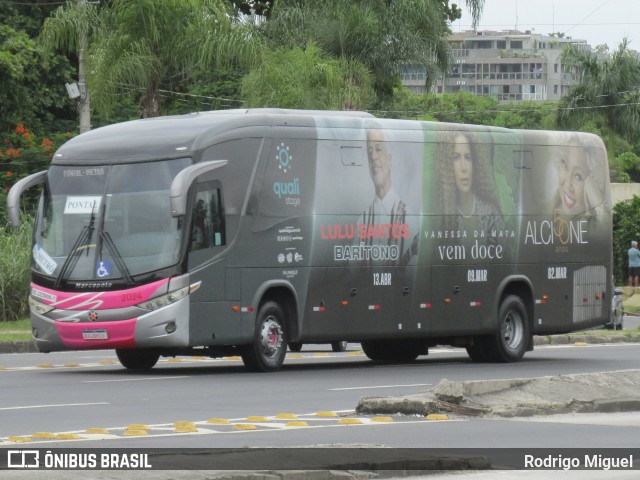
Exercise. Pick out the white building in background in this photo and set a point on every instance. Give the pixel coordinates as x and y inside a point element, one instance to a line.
<point>510,66</point>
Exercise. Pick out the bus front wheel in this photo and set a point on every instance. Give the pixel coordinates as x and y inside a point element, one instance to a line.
<point>137,358</point>
<point>267,352</point>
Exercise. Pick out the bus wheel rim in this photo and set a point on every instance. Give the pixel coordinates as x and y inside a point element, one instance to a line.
<point>271,337</point>
<point>512,330</point>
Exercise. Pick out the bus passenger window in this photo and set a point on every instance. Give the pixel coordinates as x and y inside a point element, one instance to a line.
<point>208,228</point>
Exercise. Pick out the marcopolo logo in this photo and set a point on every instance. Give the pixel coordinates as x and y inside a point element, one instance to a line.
<point>287,190</point>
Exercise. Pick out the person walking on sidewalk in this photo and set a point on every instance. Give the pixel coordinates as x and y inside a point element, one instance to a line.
<point>634,264</point>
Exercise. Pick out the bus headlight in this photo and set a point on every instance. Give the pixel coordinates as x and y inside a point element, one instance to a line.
<point>38,307</point>
<point>164,300</point>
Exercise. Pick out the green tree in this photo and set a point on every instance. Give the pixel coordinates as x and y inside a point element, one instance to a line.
<point>627,166</point>
<point>306,78</point>
<point>147,45</point>
<point>31,82</point>
<point>626,227</point>
<point>606,87</point>
<point>384,35</point>
<point>460,107</point>
<point>527,115</point>
<point>71,28</point>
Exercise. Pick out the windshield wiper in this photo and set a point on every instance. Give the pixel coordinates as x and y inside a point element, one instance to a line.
<point>122,266</point>
<point>83,240</point>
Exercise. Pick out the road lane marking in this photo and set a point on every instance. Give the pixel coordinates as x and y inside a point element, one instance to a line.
<point>201,428</point>
<point>134,379</point>
<point>383,386</point>
<point>55,406</point>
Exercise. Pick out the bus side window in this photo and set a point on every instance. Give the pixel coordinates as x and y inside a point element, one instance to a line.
<point>208,228</point>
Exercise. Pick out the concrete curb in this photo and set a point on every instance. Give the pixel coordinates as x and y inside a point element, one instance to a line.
<point>569,338</point>
<point>580,393</point>
<point>26,346</point>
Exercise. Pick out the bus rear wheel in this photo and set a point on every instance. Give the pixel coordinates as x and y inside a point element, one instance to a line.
<point>137,358</point>
<point>511,339</point>
<point>269,348</point>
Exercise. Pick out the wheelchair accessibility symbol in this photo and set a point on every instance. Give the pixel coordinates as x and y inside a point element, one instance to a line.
<point>103,269</point>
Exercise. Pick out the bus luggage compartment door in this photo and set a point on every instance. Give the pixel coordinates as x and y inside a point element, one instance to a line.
<point>462,298</point>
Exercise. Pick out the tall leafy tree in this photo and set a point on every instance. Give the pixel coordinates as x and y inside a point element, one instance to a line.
<point>149,45</point>
<point>71,28</point>
<point>606,89</point>
<point>31,79</point>
<point>306,78</point>
<point>383,35</point>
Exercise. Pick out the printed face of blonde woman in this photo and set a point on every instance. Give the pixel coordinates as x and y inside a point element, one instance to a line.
<point>573,171</point>
<point>379,162</point>
<point>462,165</point>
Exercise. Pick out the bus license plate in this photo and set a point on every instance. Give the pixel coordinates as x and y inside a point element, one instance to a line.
<point>95,335</point>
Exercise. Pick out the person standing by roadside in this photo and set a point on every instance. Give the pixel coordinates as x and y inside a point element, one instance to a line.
<point>634,264</point>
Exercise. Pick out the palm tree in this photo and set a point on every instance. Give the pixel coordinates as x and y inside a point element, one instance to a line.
<point>606,89</point>
<point>70,28</point>
<point>141,47</point>
<point>384,35</point>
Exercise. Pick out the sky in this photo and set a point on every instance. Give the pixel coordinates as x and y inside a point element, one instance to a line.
<point>596,21</point>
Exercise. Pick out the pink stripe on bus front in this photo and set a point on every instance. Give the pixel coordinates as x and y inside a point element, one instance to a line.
<point>95,335</point>
<point>98,300</point>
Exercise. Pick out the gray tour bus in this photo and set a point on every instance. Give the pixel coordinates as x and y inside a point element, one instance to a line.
<point>240,232</point>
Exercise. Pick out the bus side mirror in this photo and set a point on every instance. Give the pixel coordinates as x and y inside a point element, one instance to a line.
<point>181,184</point>
<point>13,199</point>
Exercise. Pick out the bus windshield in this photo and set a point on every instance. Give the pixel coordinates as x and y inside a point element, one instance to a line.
<point>107,222</point>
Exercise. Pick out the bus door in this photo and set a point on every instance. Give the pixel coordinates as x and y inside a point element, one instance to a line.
<point>207,265</point>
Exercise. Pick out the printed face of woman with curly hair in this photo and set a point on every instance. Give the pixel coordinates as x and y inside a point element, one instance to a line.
<point>573,171</point>
<point>462,165</point>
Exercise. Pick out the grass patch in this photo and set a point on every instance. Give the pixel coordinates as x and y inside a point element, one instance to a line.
<point>16,331</point>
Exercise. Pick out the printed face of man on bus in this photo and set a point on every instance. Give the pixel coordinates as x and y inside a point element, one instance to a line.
<point>573,170</point>
<point>463,165</point>
<point>379,162</point>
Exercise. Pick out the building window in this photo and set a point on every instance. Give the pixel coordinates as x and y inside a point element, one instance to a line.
<point>555,89</point>
<point>555,68</point>
<point>501,44</point>
<point>516,44</point>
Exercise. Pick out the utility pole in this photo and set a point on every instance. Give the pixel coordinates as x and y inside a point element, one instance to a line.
<point>84,105</point>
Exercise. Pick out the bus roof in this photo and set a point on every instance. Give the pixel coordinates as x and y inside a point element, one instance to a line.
<point>179,136</point>
<point>172,136</point>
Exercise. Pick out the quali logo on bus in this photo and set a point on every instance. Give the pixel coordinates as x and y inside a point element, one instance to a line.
<point>289,190</point>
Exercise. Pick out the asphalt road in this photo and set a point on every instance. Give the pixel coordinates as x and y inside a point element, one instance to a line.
<point>85,399</point>
<point>71,392</point>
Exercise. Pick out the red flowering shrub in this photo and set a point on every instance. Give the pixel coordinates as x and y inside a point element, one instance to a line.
<point>24,153</point>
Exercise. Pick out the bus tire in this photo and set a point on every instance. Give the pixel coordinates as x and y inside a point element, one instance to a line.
<point>295,346</point>
<point>374,350</point>
<point>269,348</point>
<point>478,350</point>
<point>398,351</point>
<point>339,346</point>
<point>137,358</point>
<point>511,339</point>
